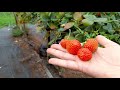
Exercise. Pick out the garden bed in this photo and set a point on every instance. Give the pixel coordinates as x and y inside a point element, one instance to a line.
<point>73,25</point>
<point>36,38</point>
<point>32,60</point>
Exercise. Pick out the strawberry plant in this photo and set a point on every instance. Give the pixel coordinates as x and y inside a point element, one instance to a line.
<point>79,25</point>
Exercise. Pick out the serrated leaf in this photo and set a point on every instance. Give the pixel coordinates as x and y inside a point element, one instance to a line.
<point>109,28</point>
<point>77,16</point>
<point>68,25</point>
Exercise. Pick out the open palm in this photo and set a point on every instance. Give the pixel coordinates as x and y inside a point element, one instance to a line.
<point>104,63</point>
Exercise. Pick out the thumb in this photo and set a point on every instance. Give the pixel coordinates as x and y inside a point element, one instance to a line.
<point>104,41</point>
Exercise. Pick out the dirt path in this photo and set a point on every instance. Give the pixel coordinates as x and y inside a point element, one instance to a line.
<point>17,62</point>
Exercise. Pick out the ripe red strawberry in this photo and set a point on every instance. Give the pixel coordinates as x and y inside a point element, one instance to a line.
<point>91,44</point>
<point>63,43</point>
<point>84,54</point>
<point>73,46</point>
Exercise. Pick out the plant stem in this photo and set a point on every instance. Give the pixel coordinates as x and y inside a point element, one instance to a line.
<point>69,33</point>
<point>113,21</point>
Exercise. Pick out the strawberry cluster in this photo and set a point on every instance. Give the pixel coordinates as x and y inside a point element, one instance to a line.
<point>83,52</point>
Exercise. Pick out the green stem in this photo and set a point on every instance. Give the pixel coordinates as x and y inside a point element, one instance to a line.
<point>99,28</point>
<point>69,33</point>
<point>113,21</point>
<point>80,31</point>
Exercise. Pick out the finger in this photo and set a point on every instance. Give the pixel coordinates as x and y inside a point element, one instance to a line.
<point>64,63</point>
<point>104,41</point>
<point>99,49</point>
<point>58,47</point>
<point>61,54</point>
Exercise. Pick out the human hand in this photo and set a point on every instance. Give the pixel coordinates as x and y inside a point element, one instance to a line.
<point>105,62</point>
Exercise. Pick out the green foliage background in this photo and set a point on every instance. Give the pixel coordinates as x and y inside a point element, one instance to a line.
<point>80,25</point>
<point>6,19</point>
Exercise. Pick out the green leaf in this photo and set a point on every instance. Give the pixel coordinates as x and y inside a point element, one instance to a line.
<point>100,20</point>
<point>95,19</point>
<point>54,19</point>
<point>90,17</point>
<point>61,29</point>
<point>52,26</point>
<point>80,37</point>
<point>77,16</point>
<point>113,17</point>
<point>64,20</point>
<point>87,35</point>
<point>109,28</point>
<point>68,15</point>
<point>87,22</point>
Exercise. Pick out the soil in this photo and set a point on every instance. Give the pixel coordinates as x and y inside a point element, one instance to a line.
<point>36,64</point>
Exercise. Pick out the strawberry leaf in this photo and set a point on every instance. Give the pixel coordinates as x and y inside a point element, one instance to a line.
<point>52,26</point>
<point>68,25</point>
<point>61,29</point>
<point>77,16</point>
<point>100,20</point>
<point>89,17</point>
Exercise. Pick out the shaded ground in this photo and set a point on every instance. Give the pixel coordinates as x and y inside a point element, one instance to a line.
<point>18,59</point>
